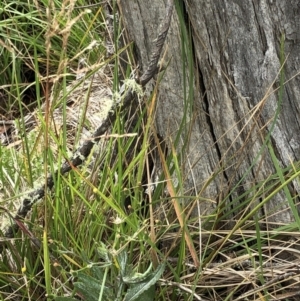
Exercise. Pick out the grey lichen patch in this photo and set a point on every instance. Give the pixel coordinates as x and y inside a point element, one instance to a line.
<point>132,84</point>
<point>128,85</point>
<point>106,105</point>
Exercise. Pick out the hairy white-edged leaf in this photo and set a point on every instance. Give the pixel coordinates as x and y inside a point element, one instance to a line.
<point>90,287</point>
<point>137,277</point>
<point>136,290</point>
<point>148,295</point>
<point>103,252</point>
<point>97,273</point>
<point>122,261</point>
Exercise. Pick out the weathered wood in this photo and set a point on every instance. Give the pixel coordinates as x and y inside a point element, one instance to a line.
<point>237,55</point>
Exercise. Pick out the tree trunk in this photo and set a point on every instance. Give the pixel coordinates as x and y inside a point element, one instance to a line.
<point>236,91</point>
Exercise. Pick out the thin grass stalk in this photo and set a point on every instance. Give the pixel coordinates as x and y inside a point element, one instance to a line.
<point>176,204</point>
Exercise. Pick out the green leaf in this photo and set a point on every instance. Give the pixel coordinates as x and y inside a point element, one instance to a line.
<point>90,287</point>
<point>137,277</point>
<point>103,252</point>
<point>148,295</point>
<point>122,261</point>
<point>65,299</point>
<point>138,290</point>
<point>97,273</point>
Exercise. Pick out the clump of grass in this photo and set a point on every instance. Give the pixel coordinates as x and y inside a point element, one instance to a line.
<point>97,233</point>
<point>100,202</point>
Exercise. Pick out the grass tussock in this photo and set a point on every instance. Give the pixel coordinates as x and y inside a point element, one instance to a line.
<point>115,228</point>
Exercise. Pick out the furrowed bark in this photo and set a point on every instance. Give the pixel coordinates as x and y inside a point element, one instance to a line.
<point>237,61</point>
